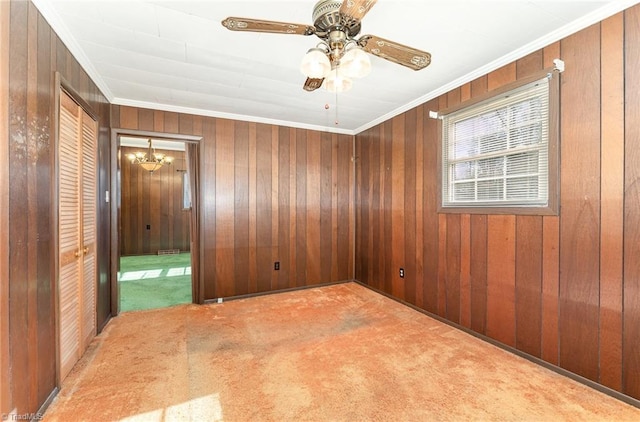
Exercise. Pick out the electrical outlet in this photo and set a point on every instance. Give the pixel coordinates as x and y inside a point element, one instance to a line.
<point>219,300</point>
<point>276,265</point>
<point>148,226</point>
<point>401,272</point>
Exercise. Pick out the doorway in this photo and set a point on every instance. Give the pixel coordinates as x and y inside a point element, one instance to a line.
<point>154,249</point>
<point>155,207</point>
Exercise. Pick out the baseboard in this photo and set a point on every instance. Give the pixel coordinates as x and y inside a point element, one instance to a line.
<point>589,383</point>
<point>40,413</point>
<point>104,324</point>
<point>290,289</point>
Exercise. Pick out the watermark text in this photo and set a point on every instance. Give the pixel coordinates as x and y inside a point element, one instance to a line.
<point>21,417</point>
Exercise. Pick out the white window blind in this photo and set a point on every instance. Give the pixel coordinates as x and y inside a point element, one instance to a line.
<point>496,153</point>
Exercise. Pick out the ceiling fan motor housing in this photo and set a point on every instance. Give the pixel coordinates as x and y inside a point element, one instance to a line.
<point>327,18</point>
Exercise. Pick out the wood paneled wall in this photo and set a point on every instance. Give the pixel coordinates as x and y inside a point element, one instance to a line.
<point>269,194</point>
<point>154,201</point>
<point>553,287</point>
<point>31,54</point>
<point>5,384</point>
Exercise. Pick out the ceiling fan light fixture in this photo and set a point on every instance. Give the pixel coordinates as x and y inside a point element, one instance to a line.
<point>356,63</point>
<point>337,23</point>
<point>315,64</point>
<point>338,81</point>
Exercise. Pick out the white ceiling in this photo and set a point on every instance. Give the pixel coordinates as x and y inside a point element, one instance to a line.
<point>176,56</point>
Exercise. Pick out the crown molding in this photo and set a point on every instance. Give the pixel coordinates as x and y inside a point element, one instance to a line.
<point>596,16</point>
<point>57,24</point>
<point>230,116</point>
<point>54,20</point>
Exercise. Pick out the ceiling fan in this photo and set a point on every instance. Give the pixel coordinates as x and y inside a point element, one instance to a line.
<point>340,55</point>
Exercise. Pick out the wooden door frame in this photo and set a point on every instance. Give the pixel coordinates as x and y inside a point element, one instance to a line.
<point>116,188</point>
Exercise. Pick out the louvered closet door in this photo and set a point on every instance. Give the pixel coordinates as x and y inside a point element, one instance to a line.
<point>68,230</point>
<point>89,223</point>
<point>77,232</point>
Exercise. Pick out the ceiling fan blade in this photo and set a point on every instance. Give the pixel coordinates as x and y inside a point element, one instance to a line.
<point>394,52</point>
<point>356,9</point>
<point>274,27</point>
<point>311,84</point>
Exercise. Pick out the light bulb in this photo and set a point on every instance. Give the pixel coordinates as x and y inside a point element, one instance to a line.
<point>337,81</point>
<point>356,63</point>
<point>315,64</point>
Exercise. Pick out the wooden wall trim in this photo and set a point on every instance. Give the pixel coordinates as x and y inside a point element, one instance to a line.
<point>176,136</point>
<point>114,199</point>
<point>54,216</point>
<point>5,399</point>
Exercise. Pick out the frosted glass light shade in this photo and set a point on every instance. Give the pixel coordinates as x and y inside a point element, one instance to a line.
<point>315,64</point>
<point>338,81</point>
<point>150,161</point>
<point>356,63</point>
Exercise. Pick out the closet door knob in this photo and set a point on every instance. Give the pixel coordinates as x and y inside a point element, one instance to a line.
<point>77,253</point>
<point>86,250</point>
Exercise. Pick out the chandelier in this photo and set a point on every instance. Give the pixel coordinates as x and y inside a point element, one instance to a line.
<point>150,160</point>
<point>338,60</point>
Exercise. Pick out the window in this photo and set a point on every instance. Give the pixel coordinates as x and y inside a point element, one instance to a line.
<point>496,153</point>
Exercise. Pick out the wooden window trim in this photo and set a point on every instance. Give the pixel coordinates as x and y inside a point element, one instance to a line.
<point>552,207</point>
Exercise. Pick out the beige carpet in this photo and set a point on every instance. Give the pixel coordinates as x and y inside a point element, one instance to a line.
<point>337,353</point>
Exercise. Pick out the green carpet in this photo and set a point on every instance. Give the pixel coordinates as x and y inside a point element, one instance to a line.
<point>154,281</point>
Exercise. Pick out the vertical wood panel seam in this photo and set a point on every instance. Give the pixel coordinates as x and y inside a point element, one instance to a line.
<point>353,194</point>
<point>515,276</point>
<point>560,219</point>
<point>600,133</point>
<point>624,196</point>
<point>541,290</point>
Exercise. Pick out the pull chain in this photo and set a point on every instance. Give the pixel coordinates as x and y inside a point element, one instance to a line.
<point>337,121</point>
